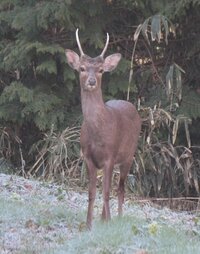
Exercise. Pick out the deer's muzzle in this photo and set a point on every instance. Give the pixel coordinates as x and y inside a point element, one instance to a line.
<point>91,83</point>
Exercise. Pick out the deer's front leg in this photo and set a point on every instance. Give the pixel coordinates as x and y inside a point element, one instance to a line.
<point>107,177</point>
<point>92,174</point>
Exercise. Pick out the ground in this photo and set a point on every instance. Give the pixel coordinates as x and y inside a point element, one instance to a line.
<point>39,217</point>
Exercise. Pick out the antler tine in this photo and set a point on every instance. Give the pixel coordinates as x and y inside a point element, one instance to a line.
<point>78,42</point>
<point>106,46</point>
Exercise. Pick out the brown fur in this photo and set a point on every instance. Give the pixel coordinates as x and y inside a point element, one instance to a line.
<point>109,132</point>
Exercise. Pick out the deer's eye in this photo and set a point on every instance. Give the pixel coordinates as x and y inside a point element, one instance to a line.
<point>82,68</point>
<point>101,70</point>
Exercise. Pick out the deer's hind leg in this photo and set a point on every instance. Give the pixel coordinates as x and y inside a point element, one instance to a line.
<point>124,170</point>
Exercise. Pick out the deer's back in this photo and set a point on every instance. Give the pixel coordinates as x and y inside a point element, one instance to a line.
<point>125,108</point>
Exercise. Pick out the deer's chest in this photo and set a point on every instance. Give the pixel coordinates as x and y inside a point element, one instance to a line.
<point>95,147</point>
<point>97,153</point>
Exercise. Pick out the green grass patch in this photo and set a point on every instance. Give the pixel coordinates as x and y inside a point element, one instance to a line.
<point>129,235</point>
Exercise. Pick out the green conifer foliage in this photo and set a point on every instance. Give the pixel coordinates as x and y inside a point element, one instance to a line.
<point>40,93</point>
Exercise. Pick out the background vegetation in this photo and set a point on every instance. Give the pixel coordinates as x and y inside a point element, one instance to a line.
<point>40,111</point>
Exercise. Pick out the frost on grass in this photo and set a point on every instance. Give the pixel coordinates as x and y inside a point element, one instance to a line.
<point>38,217</point>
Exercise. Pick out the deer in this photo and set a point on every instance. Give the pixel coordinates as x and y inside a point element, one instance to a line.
<point>109,132</point>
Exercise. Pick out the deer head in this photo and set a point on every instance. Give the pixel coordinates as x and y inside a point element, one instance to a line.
<point>91,69</point>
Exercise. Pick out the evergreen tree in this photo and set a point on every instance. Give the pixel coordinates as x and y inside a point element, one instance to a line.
<point>39,92</point>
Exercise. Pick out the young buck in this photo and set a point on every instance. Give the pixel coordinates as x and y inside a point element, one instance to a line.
<point>109,132</point>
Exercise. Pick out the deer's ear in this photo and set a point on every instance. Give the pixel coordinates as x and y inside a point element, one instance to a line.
<point>111,62</point>
<point>73,59</point>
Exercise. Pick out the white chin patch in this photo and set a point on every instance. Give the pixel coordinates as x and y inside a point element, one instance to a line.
<point>90,88</point>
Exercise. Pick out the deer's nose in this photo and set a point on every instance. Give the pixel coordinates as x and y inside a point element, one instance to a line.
<point>92,81</point>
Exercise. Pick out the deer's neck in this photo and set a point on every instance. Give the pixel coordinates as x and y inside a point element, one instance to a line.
<point>93,108</point>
